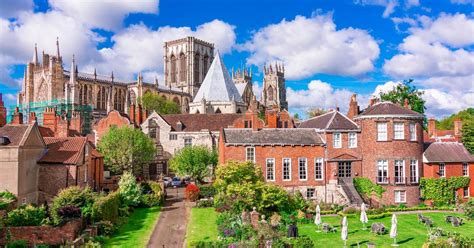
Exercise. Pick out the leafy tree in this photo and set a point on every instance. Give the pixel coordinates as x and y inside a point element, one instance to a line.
<point>448,122</point>
<point>406,91</point>
<point>313,112</point>
<point>468,135</point>
<point>296,117</point>
<point>126,149</point>
<point>194,161</point>
<point>130,191</point>
<point>237,173</point>
<point>154,102</point>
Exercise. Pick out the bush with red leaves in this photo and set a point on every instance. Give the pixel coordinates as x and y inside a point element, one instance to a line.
<point>191,192</point>
<point>69,212</point>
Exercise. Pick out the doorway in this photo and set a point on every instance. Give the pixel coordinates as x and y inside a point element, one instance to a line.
<point>344,170</point>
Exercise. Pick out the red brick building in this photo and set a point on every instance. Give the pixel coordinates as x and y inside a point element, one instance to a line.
<point>448,159</point>
<point>434,134</point>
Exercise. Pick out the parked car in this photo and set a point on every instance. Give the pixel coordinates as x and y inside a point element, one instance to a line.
<point>186,181</point>
<point>167,181</point>
<point>176,182</point>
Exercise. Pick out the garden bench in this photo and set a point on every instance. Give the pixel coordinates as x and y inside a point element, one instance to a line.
<point>425,220</point>
<point>378,228</point>
<point>328,228</point>
<point>456,222</point>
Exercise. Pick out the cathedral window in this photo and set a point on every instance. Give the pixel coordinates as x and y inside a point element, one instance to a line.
<point>196,68</point>
<point>133,97</point>
<point>103,98</point>
<point>80,95</point>
<point>205,64</point>
<point>173,69</point>
<point>270,93</point>
<point>116,100</point>
<point>182,67</point>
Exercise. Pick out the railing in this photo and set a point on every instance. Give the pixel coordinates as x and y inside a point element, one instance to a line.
<point>414,180</point>
<point>400,180</point>
<point>382,180</point>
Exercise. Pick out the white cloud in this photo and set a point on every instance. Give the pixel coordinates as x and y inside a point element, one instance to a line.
<point>139,48</point>
<point>440,103</point>
<point>104,14</point>
<point>311,45</point>
<point>12,8</point>
<point>384,88</point>
<point>257,90</point>
<point>318,95</point>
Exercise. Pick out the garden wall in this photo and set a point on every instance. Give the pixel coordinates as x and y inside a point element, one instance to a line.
<point>43,234</point>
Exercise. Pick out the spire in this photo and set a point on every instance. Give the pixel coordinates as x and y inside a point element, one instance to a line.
<point>112,76</point>
<point>58,55</point>
<point>156,81</point>
<point>35,55</point>
<point>140,78</point>
<point>95,74</point>
<point>72,77</point>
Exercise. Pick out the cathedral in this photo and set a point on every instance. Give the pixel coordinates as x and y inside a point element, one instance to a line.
<point>187,61</point>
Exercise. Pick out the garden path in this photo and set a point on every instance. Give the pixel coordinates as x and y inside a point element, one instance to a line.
<point>170,230</point>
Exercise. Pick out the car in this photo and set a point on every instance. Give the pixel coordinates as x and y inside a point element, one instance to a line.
<point>176,182</point>
<point>167,181</point>
<point>186,181</point>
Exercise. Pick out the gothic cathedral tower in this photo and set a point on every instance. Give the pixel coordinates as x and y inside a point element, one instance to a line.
<point>274,90</point>
<point>186,63</point>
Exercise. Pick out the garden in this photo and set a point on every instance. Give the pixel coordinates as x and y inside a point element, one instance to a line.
<point>124,218</point>
<point>240,210</point>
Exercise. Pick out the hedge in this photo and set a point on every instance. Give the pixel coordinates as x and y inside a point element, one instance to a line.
<point>106,208</point>
<point>366,187</point>
<point>441,190</point>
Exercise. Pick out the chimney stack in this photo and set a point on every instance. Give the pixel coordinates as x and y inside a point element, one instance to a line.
<point>431,127</point>
<point>32,119</point>
<point>406,104</point>
<point>457,127</point>
<point>353,107</point>
<point>17,117</point>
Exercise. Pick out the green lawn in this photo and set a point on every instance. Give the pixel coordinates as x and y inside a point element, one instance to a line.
<point>410,232</point>
<point>136,232</point>
<point>202,225</point>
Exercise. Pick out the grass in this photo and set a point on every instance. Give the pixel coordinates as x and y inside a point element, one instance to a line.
<point>137,230</point>
<point>410,232</point>
<point>202,225</point>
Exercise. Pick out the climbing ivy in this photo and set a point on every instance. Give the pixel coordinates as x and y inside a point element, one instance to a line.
<point>441,190</point>
<point>366,187</point>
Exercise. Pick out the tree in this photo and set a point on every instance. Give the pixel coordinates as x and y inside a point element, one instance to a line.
<point>406,91</point>
<point>315,112</point>
<point>194,161</point>
<point>296,117</point>
<point>154,102</point>
<point>447,123</point>
<point>126,149</point>
<point>468,135</point>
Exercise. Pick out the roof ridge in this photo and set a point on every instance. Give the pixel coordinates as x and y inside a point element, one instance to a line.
<point>331,120</point>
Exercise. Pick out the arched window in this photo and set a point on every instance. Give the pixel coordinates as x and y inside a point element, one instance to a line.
<point>104,97</point>
<point>90,95</point>
<point>80,95</point>
<point>176,100</point>
<point>270,93</point>
<point>173,69</point>
<point>205,65</point>
<point>116,100</point>
<point>133,97</point>
<point>196,68</point>
<point>182,67</point>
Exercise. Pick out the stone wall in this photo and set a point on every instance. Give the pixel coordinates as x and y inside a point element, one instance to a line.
<point>43,234</point>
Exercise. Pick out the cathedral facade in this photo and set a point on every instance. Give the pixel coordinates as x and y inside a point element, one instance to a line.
<point>274,88</point>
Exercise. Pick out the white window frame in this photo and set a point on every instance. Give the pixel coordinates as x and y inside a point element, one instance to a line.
<point>382,131</point>
<point>352,140</point>
<point>464,193</point>
<point>283,169</point>
<point>272,160</point>
<point>305,169</point>
<point>247,149</point>
<point>186,144</point>
<point>442,165</point>
<point>173,136</point>
<point>413,132</point>
<point>313,195</point>
<point>382,165</point>
<point>398,133</point>
<point>414,173</point>
<point>321,162</point>
<point>465,169</point>
<point>398,196</point>
<point>337,142</point>
<point>400,166</point>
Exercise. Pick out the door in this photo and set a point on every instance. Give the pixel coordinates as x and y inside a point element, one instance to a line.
<point>344,170</point>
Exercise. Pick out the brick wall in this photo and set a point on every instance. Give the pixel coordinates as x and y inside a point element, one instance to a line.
<point>53,178</point>
<point>431,170</point>
<point>391,150</point>
<point>114,118</point>
<point>43,234</point>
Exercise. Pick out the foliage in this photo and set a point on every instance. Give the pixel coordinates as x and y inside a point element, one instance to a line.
<point>275,219</point>
<point>406,91</point>
<point>152,194</point>
<point>26,216</point>
<point>441,190</point>
<point>204,203</point>
<point>237,173</point>
<point>72,196</point>
<point>106,227</point>
<point>366,187</point>
<point>69,212</point>
<point>154,102</point>
<point>106,208</point>
<point>304,242</point>
<point>468,208</point>
<point>315,112</point>
<point>130,191</point>
<point>194,161</point>
<point>447,123</point>
<point>191,192</point>
<point>150,200</point>
<point>298,202</point>
<point>126,149</point>
<point>6,198</point>
<point>17,244</point>
<point>468,135</point>
<point>273,198</point>
<point>207,191</point>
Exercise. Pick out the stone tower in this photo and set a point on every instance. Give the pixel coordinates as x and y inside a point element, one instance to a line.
<point>186,63</point>
<point>243,75</point>
<point>274,91</point>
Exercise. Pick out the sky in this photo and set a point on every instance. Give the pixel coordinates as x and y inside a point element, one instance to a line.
<point>330,49</point>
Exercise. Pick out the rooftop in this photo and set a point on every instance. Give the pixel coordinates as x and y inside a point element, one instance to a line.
<point>332,120</point>
<point>199,122</point>
<point>445,152</point>
<point>272,136</point>
<point>65,150</point>
<point>388,109</point>
<point>15,133</point>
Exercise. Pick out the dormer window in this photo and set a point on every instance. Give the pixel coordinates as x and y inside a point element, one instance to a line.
<point>179,126</point>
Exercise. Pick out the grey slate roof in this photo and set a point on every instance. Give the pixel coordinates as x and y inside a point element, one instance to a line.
<point>272,136</point>
<point>217,85</point>
<point>14,132</point>
<point>388,108</point>
<point>439,152</point>
<point>241,88</point>
<point>333,120</point>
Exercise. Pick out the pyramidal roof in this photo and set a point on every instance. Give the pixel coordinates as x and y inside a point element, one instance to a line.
<point>217,85</point>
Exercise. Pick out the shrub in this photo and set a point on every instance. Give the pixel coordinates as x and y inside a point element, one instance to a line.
<point>441,190</point>
<point>6,198</point>
<point>366,187</point>
<point>204,203</point>
<point>106,208</point>
<point>26,216</point>
<point>69,212</point>
<point>18,244</point>
<point>191,192</point>
<point>207,191</point>
<point>304,242</point>
<point>272,199</point>
<point>468,208</point>
<point>73,196</point>
<point>237,173</point>
<point>106,227</point>
<point>150,200</point>
<point>130,191</point>
<point>298,202</point>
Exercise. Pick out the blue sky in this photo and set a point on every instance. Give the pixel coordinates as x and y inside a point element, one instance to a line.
<point>331,49</point>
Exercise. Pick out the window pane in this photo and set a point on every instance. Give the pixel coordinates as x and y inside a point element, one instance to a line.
<point>302,168</point>
<point>337,140</point>
<point>286,169</point>
<point>318,168</point>
<point>412,131</point>
<point>398,130</point>
<point>250,154</point>
<point>382,131</point>
<point>270,169</point>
